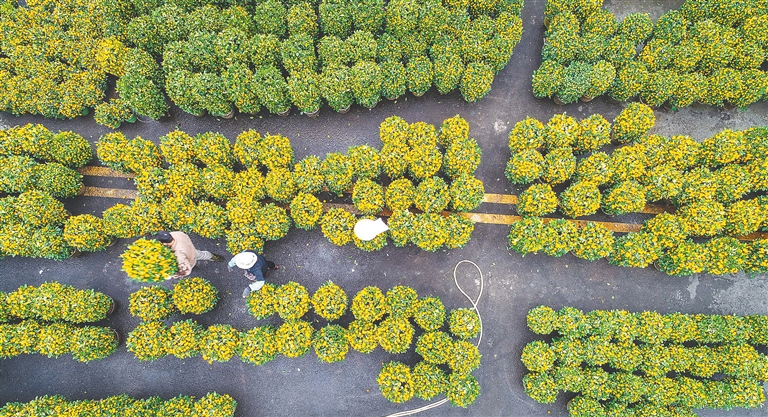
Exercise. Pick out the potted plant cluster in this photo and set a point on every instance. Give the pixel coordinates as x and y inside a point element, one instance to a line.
<point>635,350</point>
<point>688,55</point>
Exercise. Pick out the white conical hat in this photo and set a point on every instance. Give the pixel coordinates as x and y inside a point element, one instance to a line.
<point>245,260</point>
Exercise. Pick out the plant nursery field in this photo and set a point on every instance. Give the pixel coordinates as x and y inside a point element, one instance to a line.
<point>621,236</point>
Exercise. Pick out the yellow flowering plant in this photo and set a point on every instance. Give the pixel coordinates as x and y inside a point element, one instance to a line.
<point>725,255</point>
<point>261,304</point>
<point>337,225</point>
<point>525,167</point>
<point>294,338</point>
<point>399,194</point>
<point>594,133</point>
<point>213,149</point>
<point>628,163</point>
<point>757,259</point>
<point>274,151</point>
<point>177,147</point>
<point>559,165</point>
<point>635,250</point>
<point>184,338</point>
<point>664,182</point>
<point>178,213</point>
<point>361,336</point>
<point>393,159</point>
<point>466,193</point>
<point>452,129</point>
<point>668,229</point>
<point>593,241</point>
<point>118,222</point>
<point>368,196</point>
<point>186,179</point>
<point>338,172</point>
<point>54,340</point>
<point>430,231</point>
<point>149,261</point>
<point>464,323</point>
<point>53,301</point>
<point>541,387</point>
<point>291,300</point>
<point>210,220</point>
<point>435,347</point>
<point>308,176</point>
<point>423,161</point>
<point>429,313</point>
<point>219,343</point>
<point>396,382</point>
<point>633,123</point>
<point>91,343</point>
<point>538,356</point>
<point>580,199</point>
<point>429,381</point>
<point>537,200</point>
<point>56,179</point>
<point>86,233</point>
<point>462,390</point>
<point>272,222</point>
<point>686,258</point>
<point>461,157</point>
<point>542,320</point>
<point>527,235</point>
<point>561,131</point>
<point>35,209</point>
<point>147,341</point>
<point>217,181</point>
<point>280,185</point>
<point>624,197</point>
<point>151,303</point>
<point>194,295</point>
<point>330,343</point>
<point>369,305</point>
<point>432,195</point>
<point>258,345</point>
<point>476,81</point>
<point>527,134</point>
<point>560,237</point>
<point>152,185</point>
<point>459,230</point>
<point>306,210</point>
<point>400,227</point>
<point>703,218</point>
<point>330,301</point>
<point>732,182</point>
<point>401,301</point>
<point>366,162</point>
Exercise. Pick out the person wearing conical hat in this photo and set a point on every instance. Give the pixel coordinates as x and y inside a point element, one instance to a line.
<point>255,266</point>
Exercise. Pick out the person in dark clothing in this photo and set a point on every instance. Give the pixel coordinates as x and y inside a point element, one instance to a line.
<point>255,266</point>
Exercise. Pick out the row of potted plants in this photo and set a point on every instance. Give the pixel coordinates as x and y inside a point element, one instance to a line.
<point>411,153</point>
<point>38,78</point>
<point>620,362</point>
<point>688,55</point>
<point>54,301</point>
<point>242,63</point>
<point>663,241</point>
<point>22,173</point>
<point>379,319</point>
<point>36,141</point>
<point>220,58</point>
<point>742,361</point>
<point>189,296</point>
<point>86,343</point>
<point>212,404</point>
<point>650,327</point>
